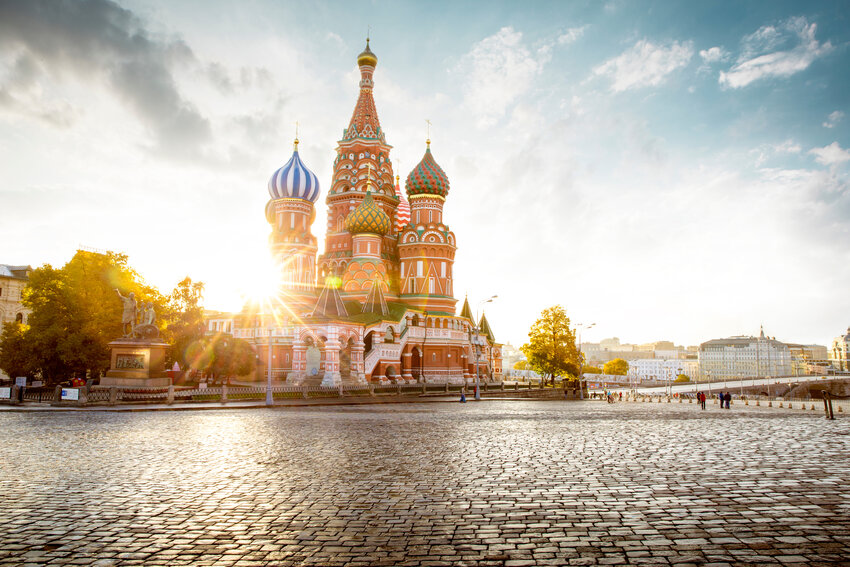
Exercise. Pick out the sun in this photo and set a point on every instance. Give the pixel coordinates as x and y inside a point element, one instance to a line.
<point>261,285</point>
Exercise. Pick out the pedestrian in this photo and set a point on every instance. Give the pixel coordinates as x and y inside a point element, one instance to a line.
<point>728,399</point>
<point>702,398</point>
<point>462,397</point>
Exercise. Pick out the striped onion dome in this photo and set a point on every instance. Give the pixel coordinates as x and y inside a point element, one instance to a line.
<point>294,181</point>
<point>368,217</point>
<point>427,178</point>
<point>402,214</point>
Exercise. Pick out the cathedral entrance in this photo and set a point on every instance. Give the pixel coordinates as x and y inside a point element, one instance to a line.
<point>345,360</point>
<point>416,364</point>
<point>314,358</point>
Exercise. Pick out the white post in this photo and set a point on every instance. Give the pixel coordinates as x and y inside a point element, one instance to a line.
<point>269,397</point>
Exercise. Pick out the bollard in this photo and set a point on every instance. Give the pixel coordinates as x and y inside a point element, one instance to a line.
<point>746,402</point>
<point>840,410</point>
<point>813,407</point>
<point>304,391</point>
<point>770,403</point>
<point>827,405</point>
<point>690,401</point>
<point>341,391</point>
<point>224,393</point>
<point>371,390</point>
<point>447,388</point>
<point>57,395</point>
<point>169,400</point>
<point>780,404</point>
<point>113,395</point>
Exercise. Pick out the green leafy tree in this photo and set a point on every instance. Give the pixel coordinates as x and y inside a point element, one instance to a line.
<point>15,352</point>
<point>76,313</point>
<point>551,349</point>
<point>616,367</point>
<point>230,357</point>
<point>184,321</point>
<point>521,365</point>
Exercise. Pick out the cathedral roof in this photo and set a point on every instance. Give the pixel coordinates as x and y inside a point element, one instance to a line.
<point>368,217</point>
<point>364,121</point>
<point>366,56</point>
<point>403,209</point>
<point>465,310</point>
<point>484,325</point>
<point>427,178</point>
<point>294,181</point>
<point>330,304</point>
<point>375,300</point>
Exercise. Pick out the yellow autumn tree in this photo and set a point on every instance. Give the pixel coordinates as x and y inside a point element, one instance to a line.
<point>551,349</point>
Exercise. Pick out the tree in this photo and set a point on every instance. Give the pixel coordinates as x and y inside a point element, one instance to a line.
<point>521,365</point>
<point>591,370</point>
<point>75,314</point>
<point>551,349</point>
<point>231,357</point>
<point>15,351</point>
<point>683,378</point>
<point>184,319</point>
<point>616,367</point>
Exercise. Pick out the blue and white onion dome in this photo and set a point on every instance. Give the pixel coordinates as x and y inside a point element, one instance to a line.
<point>294,181</point>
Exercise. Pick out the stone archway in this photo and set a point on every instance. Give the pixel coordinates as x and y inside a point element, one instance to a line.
<point>314,358</point>
<point>345,360</point>
<point>416,363</point>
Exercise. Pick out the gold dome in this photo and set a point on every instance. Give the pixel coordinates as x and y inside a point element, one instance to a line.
<point>367,57</point>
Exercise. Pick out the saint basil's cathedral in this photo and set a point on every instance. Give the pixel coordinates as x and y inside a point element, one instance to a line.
<point>378,304</point>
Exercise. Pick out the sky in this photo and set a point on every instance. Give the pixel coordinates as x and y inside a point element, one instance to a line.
<point>664,170</point>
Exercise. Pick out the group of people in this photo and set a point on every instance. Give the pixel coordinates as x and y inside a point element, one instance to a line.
<point>725,399</point>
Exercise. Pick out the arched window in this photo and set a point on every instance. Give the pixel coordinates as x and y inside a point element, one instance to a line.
<point>19,317</point>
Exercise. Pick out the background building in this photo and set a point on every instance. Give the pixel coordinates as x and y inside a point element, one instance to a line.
<point>744,357</point>
<point>838,354</point>
<point>13,279</point>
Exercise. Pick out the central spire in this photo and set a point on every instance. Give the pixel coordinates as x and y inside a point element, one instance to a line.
<point>364,122</point>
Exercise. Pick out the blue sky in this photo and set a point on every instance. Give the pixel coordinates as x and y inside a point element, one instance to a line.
<point>666,170</point>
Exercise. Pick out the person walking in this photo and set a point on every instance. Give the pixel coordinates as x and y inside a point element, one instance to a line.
<point>728,399</point>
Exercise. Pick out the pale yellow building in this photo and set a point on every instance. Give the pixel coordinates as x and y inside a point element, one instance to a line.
<point>13,279</point>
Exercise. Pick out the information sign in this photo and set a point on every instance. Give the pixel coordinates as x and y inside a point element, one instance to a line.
<point>5,393</point>
<point>21,381</point>
<point>70,394</point>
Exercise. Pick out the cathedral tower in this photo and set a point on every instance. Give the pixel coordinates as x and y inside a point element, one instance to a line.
<point>363,160</point>
<point>293,189</point>
<point>426,246</point>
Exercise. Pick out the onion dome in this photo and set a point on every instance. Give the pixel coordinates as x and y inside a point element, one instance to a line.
<point>270,211</point>
<point>294,181</point>
<point>427,178</point>
<point>402,214</point>
<point>366,57</point>
<point>368,217</point>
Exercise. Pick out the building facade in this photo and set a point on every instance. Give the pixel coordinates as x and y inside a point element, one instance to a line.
<point>839,354</point>
<point>378,303</point>
<point>744,357</point>
<point>13,279</point>
<point>662,369</point>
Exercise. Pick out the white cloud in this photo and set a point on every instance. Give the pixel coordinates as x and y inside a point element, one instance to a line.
<point>766,151</point>
<point>713,54</point>
<point>645,64</point>
<point>830,155</point>
<point>759,58</point>
<point>499,69</point>
<point>571,35</point>
<point>833,119</point>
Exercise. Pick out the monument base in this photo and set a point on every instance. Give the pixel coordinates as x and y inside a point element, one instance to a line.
<point>137,363</point>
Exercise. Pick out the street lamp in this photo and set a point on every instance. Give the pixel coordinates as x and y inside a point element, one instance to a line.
<point>477,329</point>
<point>580,326</point>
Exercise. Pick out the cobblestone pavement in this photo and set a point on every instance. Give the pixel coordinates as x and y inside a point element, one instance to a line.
<point>494,483</point>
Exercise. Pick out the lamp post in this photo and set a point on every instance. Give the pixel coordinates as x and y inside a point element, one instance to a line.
<point>269,397</point>
<point>581,326</point>
<point>478,344</point>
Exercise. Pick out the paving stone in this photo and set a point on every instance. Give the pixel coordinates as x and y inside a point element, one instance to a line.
<point>491,483</point>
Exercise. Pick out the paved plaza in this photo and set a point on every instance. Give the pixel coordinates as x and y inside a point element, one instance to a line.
<point>491,483</point>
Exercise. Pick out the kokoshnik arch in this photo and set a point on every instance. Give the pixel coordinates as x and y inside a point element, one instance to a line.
<point>379,302</point>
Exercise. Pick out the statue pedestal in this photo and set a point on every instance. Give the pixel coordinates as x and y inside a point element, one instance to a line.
<point>137,362</point>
